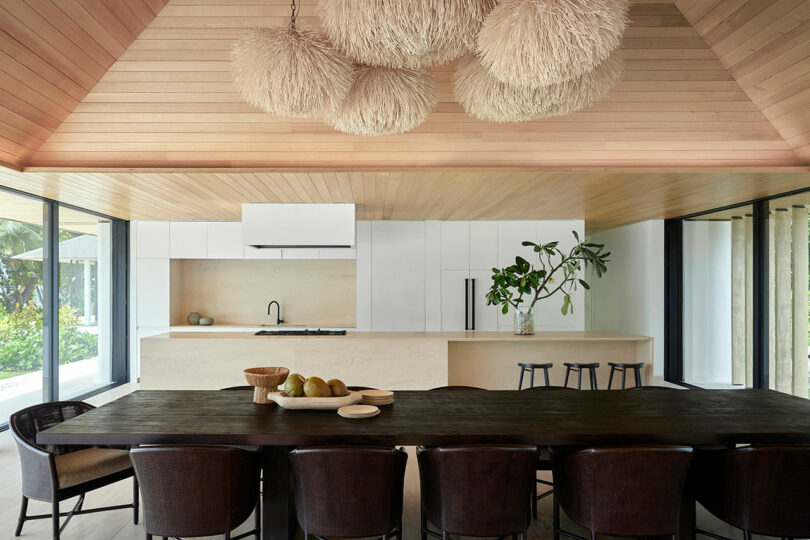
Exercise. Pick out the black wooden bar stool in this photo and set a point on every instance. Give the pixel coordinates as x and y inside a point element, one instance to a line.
<point>614,366</point>
<point>578,367</point>
<point>524,367</point>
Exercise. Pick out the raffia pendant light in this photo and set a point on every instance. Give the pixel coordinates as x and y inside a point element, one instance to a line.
<point>385,101</point>
<point>486,98</point>
<point>541,42</point>
<point>290,72</point>
<point>404,33</point>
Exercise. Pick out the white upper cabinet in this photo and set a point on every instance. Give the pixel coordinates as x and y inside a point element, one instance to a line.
<point>152,239</point>
<point>483,245</point>
<point>455,245</point>
<point>152,291</point>
<point>398,276</point>
<point>433,276</point>
<point>510,236</point>
<point>188,240</point>
<point>454,303</point>
<point>224,240</point>
<point>257,253</point>
<point>484,317</point>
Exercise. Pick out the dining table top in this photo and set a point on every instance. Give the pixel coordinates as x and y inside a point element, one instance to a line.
<point>548,418</point>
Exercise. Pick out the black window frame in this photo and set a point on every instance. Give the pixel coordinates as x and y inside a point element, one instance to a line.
<point>119,353</point>
<point>673,289</point>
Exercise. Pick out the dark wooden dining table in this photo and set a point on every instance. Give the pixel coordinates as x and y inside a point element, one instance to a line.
<point>543,418</point>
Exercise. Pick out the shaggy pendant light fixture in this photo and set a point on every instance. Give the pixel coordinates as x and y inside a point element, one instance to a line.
<point>290,72</point>
<point>404,33</point>
<point>488,99</point>
<point>541,42</point>
<point>385,101</point>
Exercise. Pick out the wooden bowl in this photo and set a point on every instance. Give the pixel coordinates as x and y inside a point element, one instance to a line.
<point>265,380</point>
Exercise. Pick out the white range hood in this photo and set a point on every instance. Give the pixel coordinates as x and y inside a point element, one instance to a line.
<point>298,225</point>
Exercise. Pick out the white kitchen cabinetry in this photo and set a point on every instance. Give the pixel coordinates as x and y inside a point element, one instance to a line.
<point>398,276</point>
<point>483,245</point>
<point>454,318</point>
<point>433,276</point>
<point>187,240</point>
<point>486,317</point>
<point>152,290</point>
<point>224,240</point>
<point>363,276</point>
<point>152,239</point>
<point>299,253</point>
<point>256,253</point>
<point>455,245</point>
<point>337,253</point>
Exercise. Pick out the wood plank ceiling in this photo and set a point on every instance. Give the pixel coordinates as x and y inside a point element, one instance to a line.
<point>168,101</point>
<point>52,53</point>
<point>603,199</point>
<point>766,48</point>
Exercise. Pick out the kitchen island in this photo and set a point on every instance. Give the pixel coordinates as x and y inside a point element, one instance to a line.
<point>392,360</point>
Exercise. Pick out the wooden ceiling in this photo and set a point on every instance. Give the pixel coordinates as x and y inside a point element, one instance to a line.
<point>604,200</point>
<point>710,85</point>
<point>52,53</point>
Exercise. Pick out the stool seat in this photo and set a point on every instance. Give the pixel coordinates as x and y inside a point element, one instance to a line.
<point>578,367</point>
<point>530,367</point>
<point>623,367</point>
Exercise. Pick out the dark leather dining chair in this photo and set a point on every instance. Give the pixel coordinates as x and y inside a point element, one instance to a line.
<point>543,457</point>
<point>621,491</point>
<point>476,490</point>
<point>54,473</point>
<point>197,490</point>
<point>759,489</point>
<point>359,388</point>
<point>349,492</point>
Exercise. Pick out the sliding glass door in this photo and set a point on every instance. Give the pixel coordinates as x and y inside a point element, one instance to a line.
<point>63,302</point>
<point>21,303</point>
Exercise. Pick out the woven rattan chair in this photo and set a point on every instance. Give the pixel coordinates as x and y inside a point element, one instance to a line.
<point>193,491</point>
<point>54,473</point>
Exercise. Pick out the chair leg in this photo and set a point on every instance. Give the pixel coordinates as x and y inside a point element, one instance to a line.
<point>423,524</point>
<point>534,498</point>
<point>638,376</point>
<point>567,373</point>
<point>55,519</point>
<point>21,520</point>
<point>579,379</point>
<point>556,523</point>
<point>624,378</point>
<point>520,382</point>
<point>136,501</point>
<point>594,384</point>
<point>531,378</point>
<point>258,519</point>
<point>610,379</point>
<point>545,372</point>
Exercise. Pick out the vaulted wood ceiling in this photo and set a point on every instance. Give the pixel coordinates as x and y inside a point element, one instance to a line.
<point>709,85</point>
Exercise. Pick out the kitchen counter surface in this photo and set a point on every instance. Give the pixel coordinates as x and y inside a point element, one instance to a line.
<point>441,336</point>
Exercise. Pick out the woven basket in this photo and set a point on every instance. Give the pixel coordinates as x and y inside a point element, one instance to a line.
<point>265,380</point>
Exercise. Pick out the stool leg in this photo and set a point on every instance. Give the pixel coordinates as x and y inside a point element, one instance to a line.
<point>567,373</point>
<point>520,383</point>
<point>610,380</point>
<point>545,372</point>
<point>594,385</point>
<point>579,379</point>
<point>531,378</point>
<point>638,376</point>
<point>624,377</point>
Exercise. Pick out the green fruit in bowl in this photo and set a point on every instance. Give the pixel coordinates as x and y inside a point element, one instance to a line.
<point>294,385</point>
<point>316,387</point>
<point>338,387</point>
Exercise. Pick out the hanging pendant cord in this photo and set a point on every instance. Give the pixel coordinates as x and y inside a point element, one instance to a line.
<point>292,17</point>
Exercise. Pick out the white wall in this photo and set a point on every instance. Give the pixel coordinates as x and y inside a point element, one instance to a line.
<point>707,302</point>
<point>630,296</point>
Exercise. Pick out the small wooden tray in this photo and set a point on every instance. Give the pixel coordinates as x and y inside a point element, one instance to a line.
<point>358,411</point>
<point>314,403</point>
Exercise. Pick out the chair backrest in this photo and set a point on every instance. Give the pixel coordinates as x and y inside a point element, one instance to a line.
<point>455,388</point>
<point>628,491</point>
<point>548,388</point>
<point>481,490</point>
<point>763,489</point>
<point>359,388</point>
<point>652,389</point>
<point>25,424</point>
<point>349,491</point>
<point>195,490</point>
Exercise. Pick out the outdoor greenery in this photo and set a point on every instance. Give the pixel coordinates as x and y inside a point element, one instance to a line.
<point>21,304</point>
<point>556,271</point>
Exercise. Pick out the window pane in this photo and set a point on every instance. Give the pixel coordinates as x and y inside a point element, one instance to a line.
<point>84,303</point>
<point>788,294</point>
<point>718,296</point>
<point>21,234</point>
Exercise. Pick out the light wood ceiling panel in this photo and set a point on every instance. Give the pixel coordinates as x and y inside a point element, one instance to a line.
<point>52,53</point>
<point>168,101</point>
<point>766,48</point>
<point>603,199</point>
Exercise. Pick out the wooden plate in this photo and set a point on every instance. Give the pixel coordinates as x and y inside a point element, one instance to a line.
<point>358,411</point>
<point>320,403</point>
<point>378,394</point>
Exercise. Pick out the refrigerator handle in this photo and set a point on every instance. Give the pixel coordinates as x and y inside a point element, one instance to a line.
<point>466,304</point>
<point>472,303</point>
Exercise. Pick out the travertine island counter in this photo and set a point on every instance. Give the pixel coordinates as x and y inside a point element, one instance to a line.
<point>392,360</point>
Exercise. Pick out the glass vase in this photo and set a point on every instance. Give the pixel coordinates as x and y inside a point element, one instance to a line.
<point>524,321</point>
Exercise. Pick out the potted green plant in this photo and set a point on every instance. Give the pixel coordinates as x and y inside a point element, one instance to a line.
<point>556,272</point>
